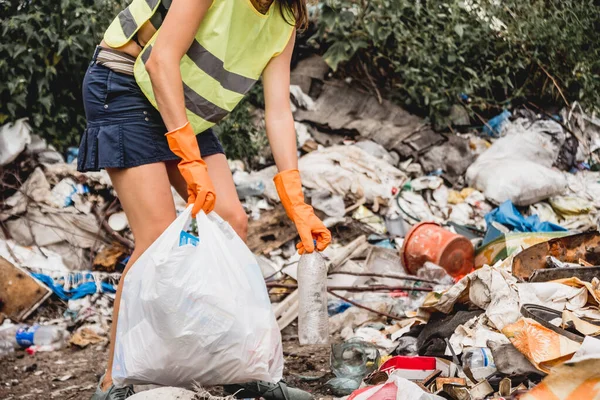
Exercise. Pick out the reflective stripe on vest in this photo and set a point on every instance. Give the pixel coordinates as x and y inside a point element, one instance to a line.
<point>127,23</point>
<point>214,67</point>
<point>233,45</point>
<point>194,102</point>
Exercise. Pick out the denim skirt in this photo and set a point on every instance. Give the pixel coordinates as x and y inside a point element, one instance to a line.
<point>123,129</point>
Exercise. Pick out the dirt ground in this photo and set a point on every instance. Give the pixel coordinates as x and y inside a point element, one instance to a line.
<point>73,373</point>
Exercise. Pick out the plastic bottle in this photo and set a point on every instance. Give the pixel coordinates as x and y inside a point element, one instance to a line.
<point>5,349</point>
<point>480,361</point>
<point>8,331</point>
<point>35,338</point>
<point>8,342</point>
<point>313,319</point>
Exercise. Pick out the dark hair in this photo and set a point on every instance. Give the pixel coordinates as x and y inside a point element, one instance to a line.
<point>294,12</point>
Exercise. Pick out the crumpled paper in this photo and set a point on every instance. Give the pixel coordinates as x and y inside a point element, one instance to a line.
<point>86,335</point>
<point>593,287</point>
<point>553,295</point>
<point>490,289</point>
<point>582,326</point>
<point>475,333</point>
<point>36,189</point>
<point>371,335</point>
<point>542,346</point>
<point>577,379</point>
<point>349,169</point>
<point>590,349</point>
<point>344,171</point>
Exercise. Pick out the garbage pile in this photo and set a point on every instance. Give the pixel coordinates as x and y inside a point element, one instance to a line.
<point>63,245</point>
<point>476,273</point>
<point>464,265</point>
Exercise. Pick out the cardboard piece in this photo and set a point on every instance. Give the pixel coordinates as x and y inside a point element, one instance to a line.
<point>20,293</point>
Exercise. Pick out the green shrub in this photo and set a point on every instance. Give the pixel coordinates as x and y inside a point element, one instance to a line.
<point>239,134</point>
<point>425,54</point>
<point>45,49</point>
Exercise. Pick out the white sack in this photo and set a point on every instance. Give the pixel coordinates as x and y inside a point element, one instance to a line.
<point>345,170</point>
<point>13,140</point>
<point>518,167</point>
<point>348,171</point>
<point>196,314</point>
<point>164,393</point>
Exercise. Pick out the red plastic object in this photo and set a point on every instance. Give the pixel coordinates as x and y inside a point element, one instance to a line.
<point>428,241</point>
<point>403,362</point>
<point>387,391</point>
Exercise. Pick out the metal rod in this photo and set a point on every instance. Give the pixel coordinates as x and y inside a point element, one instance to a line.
<point>373,288</point>
<point>365,307</point>
<point>375,275</point>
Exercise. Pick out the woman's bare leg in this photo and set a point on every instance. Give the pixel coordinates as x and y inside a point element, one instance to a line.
<point>145,194</point>
<point>228,204</point>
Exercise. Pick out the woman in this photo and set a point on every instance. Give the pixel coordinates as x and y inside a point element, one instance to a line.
<point>166,71</point>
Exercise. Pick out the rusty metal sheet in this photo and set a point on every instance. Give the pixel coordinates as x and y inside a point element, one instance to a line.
<point>440,382</point>
<point>550,274</point>
<point>582,246</point>
<point>481,390</point>
<point>455,392</point>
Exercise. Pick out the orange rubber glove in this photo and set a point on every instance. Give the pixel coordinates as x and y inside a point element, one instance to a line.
<point>201,192</point>
<point>309,226</point>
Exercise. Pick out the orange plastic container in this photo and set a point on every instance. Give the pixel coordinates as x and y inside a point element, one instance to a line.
<point>428,241</point>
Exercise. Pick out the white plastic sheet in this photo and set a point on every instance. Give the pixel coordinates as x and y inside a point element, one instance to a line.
<point>196,315</point>
<point>518,167</point>
<point>165,393</point>
<point>13,140</point>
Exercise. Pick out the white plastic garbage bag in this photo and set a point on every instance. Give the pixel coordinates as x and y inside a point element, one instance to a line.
<point>196,314</point>
<point>13,140</point>
<point>518,166</point>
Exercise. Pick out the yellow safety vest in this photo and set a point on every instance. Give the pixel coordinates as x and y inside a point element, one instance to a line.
<point>232,47</point>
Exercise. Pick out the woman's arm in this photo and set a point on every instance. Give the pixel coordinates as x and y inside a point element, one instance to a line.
<point>282,136</point>
<point>278,114</point>
<point>175,37</point>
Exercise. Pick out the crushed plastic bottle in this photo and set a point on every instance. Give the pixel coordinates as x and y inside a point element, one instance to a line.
<point>35,338</point>
<point>313,319</point>
<point>39,335</point>
<point>5,349</point>
<point>8,342</point>
<point>480,361</point>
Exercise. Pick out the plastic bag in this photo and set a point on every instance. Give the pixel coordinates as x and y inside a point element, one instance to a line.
<point>518,166</point>
<point>13,140</point>
<point>396,388</point>
<point>196,314</point>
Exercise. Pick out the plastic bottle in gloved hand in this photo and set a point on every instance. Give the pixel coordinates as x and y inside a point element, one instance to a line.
<point>313,233</point>
<point>313,319</point>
